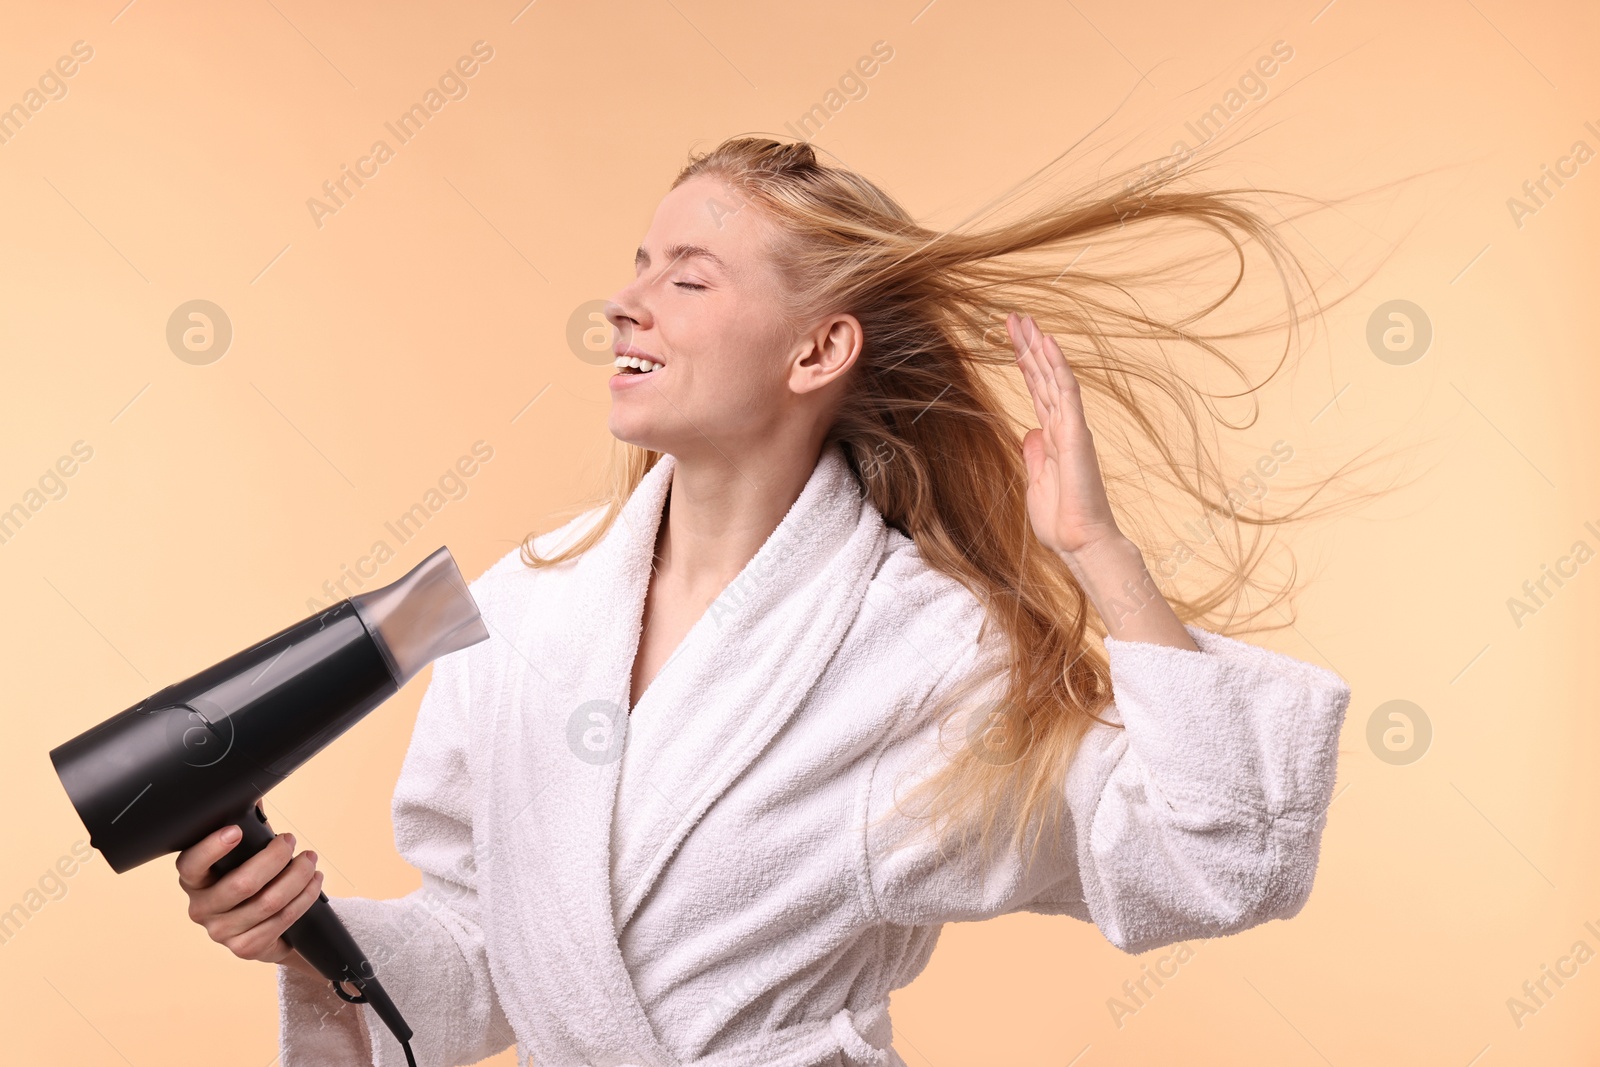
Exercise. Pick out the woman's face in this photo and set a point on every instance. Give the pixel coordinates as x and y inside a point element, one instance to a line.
<point>706,305</point>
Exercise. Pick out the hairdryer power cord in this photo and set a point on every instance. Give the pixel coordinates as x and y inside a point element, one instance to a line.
<point>361,998</point>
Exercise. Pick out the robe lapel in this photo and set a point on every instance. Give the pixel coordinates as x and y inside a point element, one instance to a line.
<point>554,761</point>
<point>742,671</point>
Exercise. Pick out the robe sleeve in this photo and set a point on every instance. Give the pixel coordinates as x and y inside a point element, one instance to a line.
<point>1202,816</point>
<point>427,947</point>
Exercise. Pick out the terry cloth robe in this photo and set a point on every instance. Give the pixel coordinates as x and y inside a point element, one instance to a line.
<point>695,881</point>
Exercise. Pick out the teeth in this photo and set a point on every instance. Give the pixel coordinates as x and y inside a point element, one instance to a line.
<point>634,362</point>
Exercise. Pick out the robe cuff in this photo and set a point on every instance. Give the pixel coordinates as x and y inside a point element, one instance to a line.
<point>1233,730</point>
<point>423,970</point>
<point>315,1027</point>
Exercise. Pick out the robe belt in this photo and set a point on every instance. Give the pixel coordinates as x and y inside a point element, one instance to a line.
<point>814,1041</point>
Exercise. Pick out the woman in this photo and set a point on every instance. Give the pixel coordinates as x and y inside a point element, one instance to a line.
<point>665,816</point>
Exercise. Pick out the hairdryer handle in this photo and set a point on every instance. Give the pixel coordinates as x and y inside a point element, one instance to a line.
<point>318,935</point>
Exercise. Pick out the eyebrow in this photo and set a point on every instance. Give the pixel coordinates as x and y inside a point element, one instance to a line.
<point>677,252</point>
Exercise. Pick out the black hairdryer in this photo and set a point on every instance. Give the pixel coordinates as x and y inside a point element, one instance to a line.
<point>198,755</point>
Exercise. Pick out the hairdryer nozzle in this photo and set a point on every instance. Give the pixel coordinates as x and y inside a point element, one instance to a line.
<point>424,615</point>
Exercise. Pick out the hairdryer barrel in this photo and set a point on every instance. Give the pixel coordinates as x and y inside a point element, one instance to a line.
<point>196,756</point>
<point>186,760</point>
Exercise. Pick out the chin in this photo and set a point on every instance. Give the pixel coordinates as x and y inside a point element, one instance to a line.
<point>628,431</point>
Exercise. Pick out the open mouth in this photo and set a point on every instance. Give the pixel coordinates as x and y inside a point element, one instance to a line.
<point>635,365</point>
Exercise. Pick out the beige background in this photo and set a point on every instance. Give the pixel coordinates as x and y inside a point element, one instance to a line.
<point>431,312</point>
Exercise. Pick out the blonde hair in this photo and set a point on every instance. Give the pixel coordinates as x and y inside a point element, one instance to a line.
<point>932,422</point>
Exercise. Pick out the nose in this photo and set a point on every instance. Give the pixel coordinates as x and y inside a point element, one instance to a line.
<point>627,313</point>
<point>623,323</point>
<point>624,320</point>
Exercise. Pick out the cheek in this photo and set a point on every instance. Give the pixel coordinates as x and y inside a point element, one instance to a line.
<point>713,389</point>
<point>738,364</point>
<point>745,380</point>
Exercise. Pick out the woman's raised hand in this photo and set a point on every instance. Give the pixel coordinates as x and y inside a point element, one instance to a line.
<point>248,909</point>
<point>1067,502</point>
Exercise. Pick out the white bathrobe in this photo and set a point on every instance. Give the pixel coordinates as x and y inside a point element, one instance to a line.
<point>696,883</point>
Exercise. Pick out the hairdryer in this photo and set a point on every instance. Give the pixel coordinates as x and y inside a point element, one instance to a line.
<point>198,755</point>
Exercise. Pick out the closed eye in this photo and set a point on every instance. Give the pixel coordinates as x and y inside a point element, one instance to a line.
<point>688,285</point>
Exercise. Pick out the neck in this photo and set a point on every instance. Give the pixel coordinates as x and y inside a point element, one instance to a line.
<point>720,511</point>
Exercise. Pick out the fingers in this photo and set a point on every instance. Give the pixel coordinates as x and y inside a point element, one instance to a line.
<point>264,941</point>
<point>1051,362</point>
<point>194,862</point>
<point>1042,385</point>
<point>1050,377</point>
<point>276,895</point>
<point>243,882</point>
<point>1035,362</point>
<point>1066,381</point>
<point>1039,388</point>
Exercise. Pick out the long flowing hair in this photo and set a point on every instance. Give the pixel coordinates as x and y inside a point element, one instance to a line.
<point>931,425</point>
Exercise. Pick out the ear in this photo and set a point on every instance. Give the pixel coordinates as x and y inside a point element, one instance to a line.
<point>826,353</point>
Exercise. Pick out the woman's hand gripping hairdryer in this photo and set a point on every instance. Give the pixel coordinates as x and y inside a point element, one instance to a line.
<point>197,755</point>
